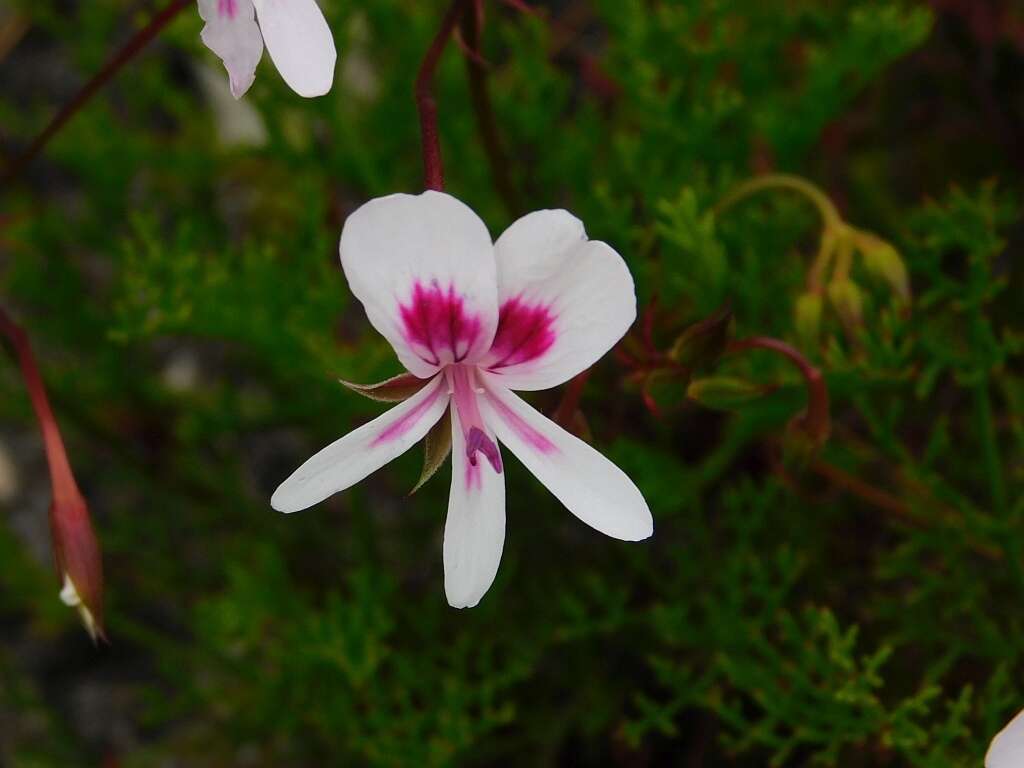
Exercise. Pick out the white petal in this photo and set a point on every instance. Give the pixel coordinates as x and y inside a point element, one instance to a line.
<point>345,462</point>
<point>565,301</point>
<point>474,533</point>
<point>300,44</point>
<point>1007,748</point>
<point>231,32</point>
<point>423,267</point>
<point>589,485</point>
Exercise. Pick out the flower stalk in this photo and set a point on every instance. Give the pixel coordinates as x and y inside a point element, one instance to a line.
<point>815,422</point>
<point>127,52</point>
<point>426,104</point>
<point>76,551</point>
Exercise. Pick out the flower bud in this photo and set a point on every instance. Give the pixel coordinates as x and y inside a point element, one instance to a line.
<point>846,298</point>
<point>807,318</point>
<point>77,557</point>
<point>883,261</point>
<point>723,392</point>
<point>701,344</point>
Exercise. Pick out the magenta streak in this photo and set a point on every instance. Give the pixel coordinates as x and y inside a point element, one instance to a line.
<point>462,379</point>
<point>227,8</point>
<point>405,423</point>
<point>525,332</point>
<point>528,434</point>
<point>437,324</point>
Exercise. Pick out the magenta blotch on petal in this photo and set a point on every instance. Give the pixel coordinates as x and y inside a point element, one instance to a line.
<point>436,324</point>
<point>525,332</point>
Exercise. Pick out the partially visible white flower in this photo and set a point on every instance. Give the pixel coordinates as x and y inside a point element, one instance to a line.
<point>1007,748</point>
<point>296,34</point>
<point>472,320</point>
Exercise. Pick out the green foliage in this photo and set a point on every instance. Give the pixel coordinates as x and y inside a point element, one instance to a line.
<point>185,300</point>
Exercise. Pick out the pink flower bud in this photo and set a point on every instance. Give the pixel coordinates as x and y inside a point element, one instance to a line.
<point>77,558</point>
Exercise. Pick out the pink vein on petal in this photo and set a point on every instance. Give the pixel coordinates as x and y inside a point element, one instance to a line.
<point>436,322</point>
<point>528,434</point>
<point>405,423</point>
<point>525,332</point>
<point>227,8</point>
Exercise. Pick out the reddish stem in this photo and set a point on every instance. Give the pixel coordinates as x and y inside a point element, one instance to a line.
<point>433,171</point>
<point>570,402</point>
<point>65,489</point>
<point>111,68</point>
<point>816,420</point>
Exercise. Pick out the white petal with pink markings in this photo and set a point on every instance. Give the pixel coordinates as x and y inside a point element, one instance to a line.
<point>423,267</point>
<point>231,32</point>
<point>589,485</point>
<point>564,301</point>
<point>474,531</point>
<point>430,280</point>
<point>345,462</point>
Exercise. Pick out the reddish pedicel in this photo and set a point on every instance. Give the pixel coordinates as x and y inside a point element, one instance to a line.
<point>437,324</point>
<point>525,332</point>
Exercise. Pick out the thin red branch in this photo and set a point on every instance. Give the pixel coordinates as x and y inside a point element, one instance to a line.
<point>570,402</point>
<point>433,171</point>
<point>65,489</point>
<point>111,68</point>
<point>816,420</point>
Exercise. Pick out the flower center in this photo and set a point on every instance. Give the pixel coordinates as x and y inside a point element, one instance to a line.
<point>462,379</point>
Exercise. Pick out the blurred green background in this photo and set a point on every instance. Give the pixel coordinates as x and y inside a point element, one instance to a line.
<point>173,255</point>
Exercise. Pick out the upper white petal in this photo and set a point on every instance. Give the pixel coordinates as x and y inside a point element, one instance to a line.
<point>578,292</point>
<point>345,462</point>
<point>589,485</point>
<point>1007,748</point>
<point>300,44</point>
<point>474,532</point>
<point>235,38</point>
<point>429,245</point>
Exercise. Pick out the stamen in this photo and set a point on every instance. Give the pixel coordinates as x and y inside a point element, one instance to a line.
<point>478,441</point>
<point>475,433</point>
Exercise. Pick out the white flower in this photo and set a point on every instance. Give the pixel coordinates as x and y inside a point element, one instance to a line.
<point>475,320</point>
<point>297,37</point>
<point>1007,748</point>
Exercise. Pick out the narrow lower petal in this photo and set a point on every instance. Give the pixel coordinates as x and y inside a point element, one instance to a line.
<point>474,532</point>
<point>423,268</point>
<point>1007,748</point>
<point>347,461</point>
<point>300,44</point>
<point>589,485</point>
<point>231,32</point>
<point>564,301</point>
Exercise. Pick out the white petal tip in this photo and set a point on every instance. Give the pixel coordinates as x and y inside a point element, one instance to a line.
<point>282,501</point>
<point>635,531</point>
<point>463,602</point>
